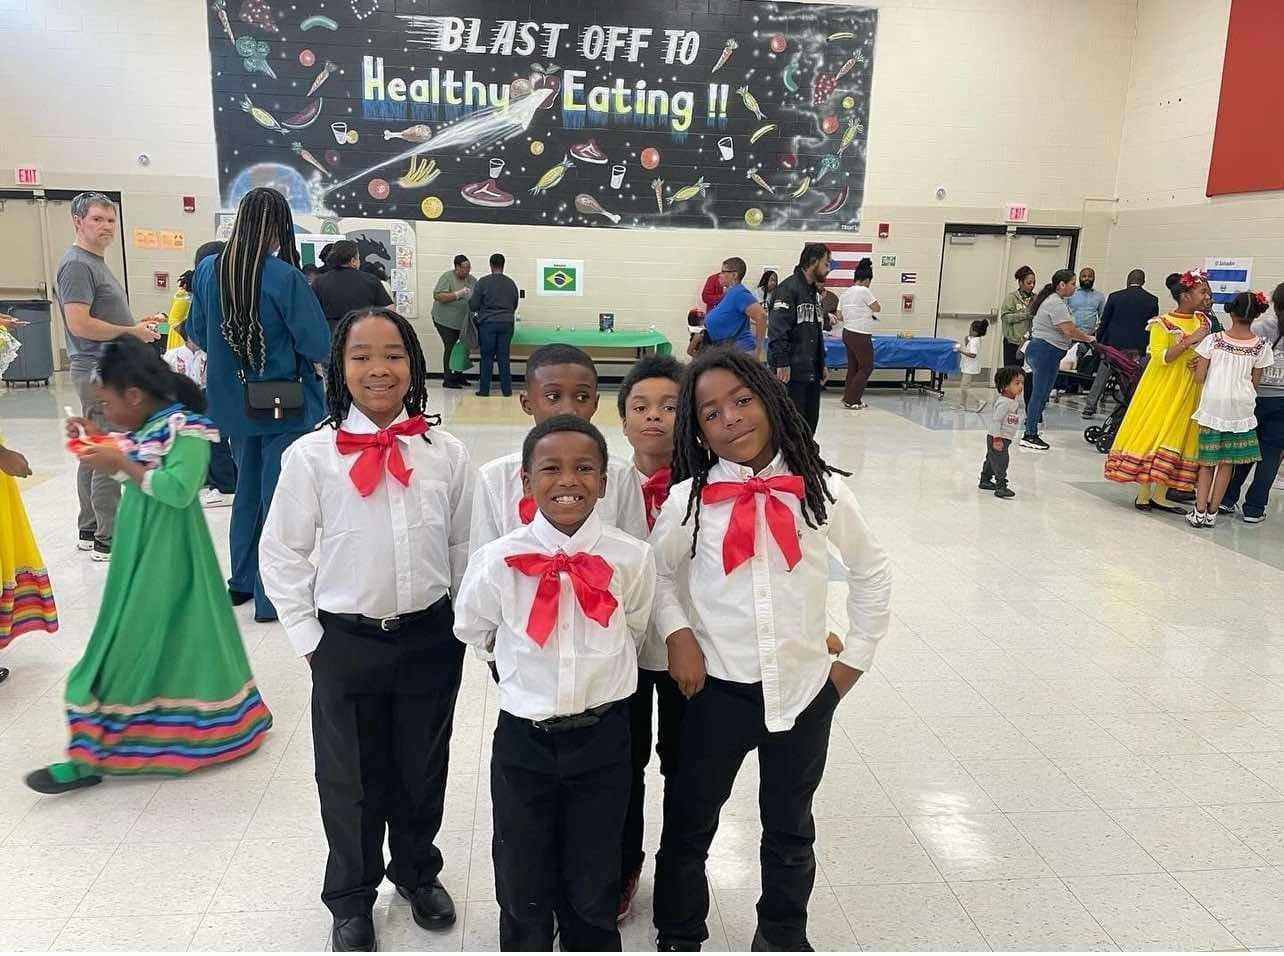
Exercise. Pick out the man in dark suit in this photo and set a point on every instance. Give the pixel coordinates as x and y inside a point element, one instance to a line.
<point>1123,326</point>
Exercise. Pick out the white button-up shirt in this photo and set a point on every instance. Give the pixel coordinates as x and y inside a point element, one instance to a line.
<point>324,547</point>
<point>763,622</point>
<point>582,664</point>
<point>653,655</point>
<point>499,490</point>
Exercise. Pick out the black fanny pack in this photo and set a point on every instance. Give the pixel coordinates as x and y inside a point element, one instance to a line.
<point>274,399</point>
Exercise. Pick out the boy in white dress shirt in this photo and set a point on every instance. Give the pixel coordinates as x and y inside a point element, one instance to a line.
<point>648,402</point>
<point>366,540</point>
<point>749,527</point>
<point>563,603</point>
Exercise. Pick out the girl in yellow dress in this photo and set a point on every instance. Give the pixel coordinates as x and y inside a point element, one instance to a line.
<point>182,300</point>
<point>1158,442</point>
<point>26,599</point>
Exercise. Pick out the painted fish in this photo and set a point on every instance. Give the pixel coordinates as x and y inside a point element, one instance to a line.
<point>849,135</point>
<point>827,166</point>
<point>552,177</point>
<point>411,134</point>
<point>762,183</point>
<point>261,116</point>
<point>322,77</point>
<point>657,186</point>
<point>845,68</point>
<point>750,101</point>
<point>727,50</point>
<point>802,188</point>
<point>689,192</point>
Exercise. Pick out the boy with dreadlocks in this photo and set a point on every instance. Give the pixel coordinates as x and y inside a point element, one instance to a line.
<point>752,516</point>
<point>389,495</point>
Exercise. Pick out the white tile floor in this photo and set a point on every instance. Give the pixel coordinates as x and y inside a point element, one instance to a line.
<point>1073,738</point>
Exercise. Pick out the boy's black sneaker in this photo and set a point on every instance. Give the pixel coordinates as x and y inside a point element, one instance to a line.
<point>986,484</point>
<point>1004,492</point>
<point>1035,443</point>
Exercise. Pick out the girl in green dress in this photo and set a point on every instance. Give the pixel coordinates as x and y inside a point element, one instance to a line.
<point>164,686</point>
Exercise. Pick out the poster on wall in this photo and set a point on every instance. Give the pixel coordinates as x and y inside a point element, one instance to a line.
<point>559,277</point>
<point>1227,278</point>
<point>748,114</point>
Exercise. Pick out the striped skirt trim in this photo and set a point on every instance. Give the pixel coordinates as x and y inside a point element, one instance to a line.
<point>1164,466</point>
<point>164,739</point>
<point>26,604</point>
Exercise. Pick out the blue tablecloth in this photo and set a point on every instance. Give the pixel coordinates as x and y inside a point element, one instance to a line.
<point>938,355</point>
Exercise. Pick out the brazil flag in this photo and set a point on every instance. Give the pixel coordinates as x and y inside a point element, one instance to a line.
<point>562,278</point>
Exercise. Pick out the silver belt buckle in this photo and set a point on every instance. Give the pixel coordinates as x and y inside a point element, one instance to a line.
<point>390,623</point>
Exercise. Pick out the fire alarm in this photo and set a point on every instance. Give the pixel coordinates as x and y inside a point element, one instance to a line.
<point>884,230</point>
<point>907,302</point>
<point>189,204</point>
<point>160,280</point>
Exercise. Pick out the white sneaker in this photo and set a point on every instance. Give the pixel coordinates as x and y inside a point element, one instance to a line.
<point>213,498</point>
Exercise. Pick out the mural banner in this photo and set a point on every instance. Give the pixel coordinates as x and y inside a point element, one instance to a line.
<point>747,114</point>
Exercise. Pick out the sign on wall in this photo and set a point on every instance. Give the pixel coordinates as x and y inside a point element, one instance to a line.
<point>1227,278</point>
<point>559,277</point>
<point>632,115</point>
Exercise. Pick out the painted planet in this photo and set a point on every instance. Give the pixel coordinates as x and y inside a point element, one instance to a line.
<point>753,216</point>
<point>788,161</point>
<point>830,125</point>
<point>849,102</point>
<point>432,207</point>
<point>650,158</point>
<point>537,147</point>
<point>332,157</point>
<point>519,88</point>
<point>778,43</point>
<point>378,188</point>
<point>352,137</point>
<point>284,179</point>
<point>307,57</point>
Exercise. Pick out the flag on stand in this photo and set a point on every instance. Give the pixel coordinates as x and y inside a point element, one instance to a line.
<point>842,262</point>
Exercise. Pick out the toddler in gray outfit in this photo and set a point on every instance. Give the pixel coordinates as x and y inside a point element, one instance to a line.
<point>1005,423</point>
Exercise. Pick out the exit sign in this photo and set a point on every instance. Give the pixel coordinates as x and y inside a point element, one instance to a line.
<point>1018,212</point>
<point>26,175</point>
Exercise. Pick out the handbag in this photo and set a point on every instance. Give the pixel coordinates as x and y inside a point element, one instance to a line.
<point>273,399</point>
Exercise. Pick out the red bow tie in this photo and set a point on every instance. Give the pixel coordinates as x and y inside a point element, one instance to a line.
<point>590,577</point>
<point>376,449</point>
<point>655,492</point>
<point>738,545</point>
<point>526,509</point>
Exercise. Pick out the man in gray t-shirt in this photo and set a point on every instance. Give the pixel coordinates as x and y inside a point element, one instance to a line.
<point>95,311</point>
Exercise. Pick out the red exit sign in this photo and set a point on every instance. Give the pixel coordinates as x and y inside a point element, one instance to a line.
<point>26,175</point>
<point>1018,212</point>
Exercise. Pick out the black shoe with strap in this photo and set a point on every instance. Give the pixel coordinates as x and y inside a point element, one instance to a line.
<point>353,934</point>
<point>431,906</point>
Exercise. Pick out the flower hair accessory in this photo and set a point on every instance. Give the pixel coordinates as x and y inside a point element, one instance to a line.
<point>1260,298</point>
<point>1191,278</point>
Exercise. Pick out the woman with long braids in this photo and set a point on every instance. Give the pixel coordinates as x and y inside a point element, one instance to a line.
<point>749,525</point>
<point>259,322</point>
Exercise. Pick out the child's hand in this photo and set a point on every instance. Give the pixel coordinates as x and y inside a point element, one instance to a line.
<point>14,464</point>
<point>105,458</point>
<point>998,444</point>
<point>686,662</point>
<point>77,426</point>
<point>833,643</point>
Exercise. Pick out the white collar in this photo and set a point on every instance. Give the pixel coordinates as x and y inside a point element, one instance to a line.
<point>358,424</point>
<point>585,539</point>
<point>724,470</point>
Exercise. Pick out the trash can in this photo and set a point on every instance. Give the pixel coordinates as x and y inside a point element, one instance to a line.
<point>34,363</point>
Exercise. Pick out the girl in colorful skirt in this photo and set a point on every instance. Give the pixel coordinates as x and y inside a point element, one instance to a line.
<point>164,686</point>
<point>26,599</point>
<point>1157,445</point>
<point>1229,367</point>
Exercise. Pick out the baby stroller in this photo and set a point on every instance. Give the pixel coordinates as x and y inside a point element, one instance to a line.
<point>1125,372</point>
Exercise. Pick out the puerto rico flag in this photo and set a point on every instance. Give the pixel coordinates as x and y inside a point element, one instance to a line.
<point>842,262</point>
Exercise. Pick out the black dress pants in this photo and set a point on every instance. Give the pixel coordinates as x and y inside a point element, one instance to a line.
<point>559,802</point>
<point>383,704</point>
<point>721,725</point>
<point>806,397</point>
<point>650,684</point>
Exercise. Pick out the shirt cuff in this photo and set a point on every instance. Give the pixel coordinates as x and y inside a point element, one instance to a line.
<point>858,652</point>
<point>305,635</point>
<point>670,620</point>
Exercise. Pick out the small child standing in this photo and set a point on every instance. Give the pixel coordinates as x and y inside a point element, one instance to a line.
<point>970,361</point>
<point>1009,411</point>
<point>1229,366</point>
<point>188,359</point>
<point>563,603</point>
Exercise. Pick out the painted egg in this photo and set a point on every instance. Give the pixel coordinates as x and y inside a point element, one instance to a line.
<point>753,216</point>
<point>432,207</point>
<point>650,158</point>
<point>788,161</point>
<point>307,57</point>
<point>778,43</point>
<point>537,147</point>
<point>378,189</point>
<point>352,137</point>
<point>830,125</point>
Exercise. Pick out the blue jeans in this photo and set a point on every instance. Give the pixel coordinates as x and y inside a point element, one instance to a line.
<point>258,466</point>
<point>1270,437</point>
<point>495,339</point>
<point>1043,358</point>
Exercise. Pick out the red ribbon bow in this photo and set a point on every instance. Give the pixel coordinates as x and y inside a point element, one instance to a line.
<point>655,492</point>
<point>376,450</point>
<point>590,576</point>
<point>738,546</point>
<point>526,509</point>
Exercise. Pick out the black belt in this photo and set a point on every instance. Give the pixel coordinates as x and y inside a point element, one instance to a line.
<point>388,624</point>
<point>558,725</point>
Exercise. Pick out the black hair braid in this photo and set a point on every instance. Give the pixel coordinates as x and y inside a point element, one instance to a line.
<point>127,363</point>
<point>338,399</point>
<point>789,431</point>
<point>263,221</point>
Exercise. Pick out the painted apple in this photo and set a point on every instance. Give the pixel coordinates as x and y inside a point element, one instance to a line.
<point>830,125</point>
<point>650,158</point>
<point>778,43</point>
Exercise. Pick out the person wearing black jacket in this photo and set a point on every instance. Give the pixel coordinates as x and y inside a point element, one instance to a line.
<point>795,332</point>
<point>343,286</point>
<point>1123,326</point>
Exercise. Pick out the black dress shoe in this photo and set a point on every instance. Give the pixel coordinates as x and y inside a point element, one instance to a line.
<point>239,597</point>
<point>261,619</point>
<point>760,945</point>
<point>353,934</point>
<point>431,906</point>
